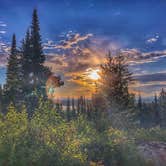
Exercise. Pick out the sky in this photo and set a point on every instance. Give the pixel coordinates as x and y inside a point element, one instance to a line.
<point>77,35</point>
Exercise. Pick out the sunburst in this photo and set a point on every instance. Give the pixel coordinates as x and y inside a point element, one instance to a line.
<point>94,74</point>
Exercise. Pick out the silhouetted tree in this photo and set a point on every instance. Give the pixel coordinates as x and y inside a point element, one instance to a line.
<point>140,102</point>
<point>68,110</point>
<point>35,73</point>
<point>27,60</point>
<point>156,110</point>
<point>78,106</point>
<point>13,87</point>
<point>39,71</point>
<point>73,108</point>
<point>162,103</point>
<point>115,79</point>
<point>141,110</point>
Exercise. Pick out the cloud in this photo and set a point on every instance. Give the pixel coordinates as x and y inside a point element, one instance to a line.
<point>4,52</point>
<point>135,56</point>
<point>159,77</point>
<point>73,39</point>
<point>83,52</point>
<point>2,32</point>
<point>152,40</point>
<point>2,24</point>
<point>149,84</point>
<point>80,53</point>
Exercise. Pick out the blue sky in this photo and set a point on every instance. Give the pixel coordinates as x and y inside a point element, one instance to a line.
<point>93,24</point>
<point>134,21</point>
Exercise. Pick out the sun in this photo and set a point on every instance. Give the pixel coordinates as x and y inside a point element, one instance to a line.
<point>94,74</point>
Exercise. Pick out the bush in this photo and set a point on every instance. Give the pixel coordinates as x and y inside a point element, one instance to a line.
<point>151,134</point>
<point>48,139</point>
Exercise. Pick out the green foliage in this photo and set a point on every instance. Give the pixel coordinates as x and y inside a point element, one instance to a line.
<point>152,134</point>
<point>49,139</point>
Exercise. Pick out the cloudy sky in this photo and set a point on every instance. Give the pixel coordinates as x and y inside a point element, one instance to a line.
<point>77,35</point>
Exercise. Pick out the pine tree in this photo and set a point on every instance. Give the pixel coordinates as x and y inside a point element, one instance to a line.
<point>38,56</point>
<point>26,59</point>
<point>115,79</point>
<point>68,110</point>
<point>78,106</point>
<point>35,73</point>
<point>14,75</point>
<point>162,103</point>
<point>73,108</point>
<point>139,102</point>
<point>156,109</point>
<point>81,104</point>
<point>140,109</point>
<point>89,110</point>
<point>39,71</point>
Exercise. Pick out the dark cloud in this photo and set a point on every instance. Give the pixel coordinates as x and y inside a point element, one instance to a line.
<point>135,56</point>
<point>151,77</point>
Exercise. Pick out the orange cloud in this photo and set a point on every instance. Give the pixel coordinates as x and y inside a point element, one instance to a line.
<point>80,53</point>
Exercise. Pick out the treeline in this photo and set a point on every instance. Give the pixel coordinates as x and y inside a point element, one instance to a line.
<point>72,107</point>
<point>154,113</point>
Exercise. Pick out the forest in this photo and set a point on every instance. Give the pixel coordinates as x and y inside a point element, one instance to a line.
<point>104,130</point>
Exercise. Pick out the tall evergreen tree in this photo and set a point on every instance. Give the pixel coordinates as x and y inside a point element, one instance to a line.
<point>115,79</point>
<point>35,72</point>
<point>37,52</point>
<point>39,71</point>
<point>26,59</point>
<point>13,80</point>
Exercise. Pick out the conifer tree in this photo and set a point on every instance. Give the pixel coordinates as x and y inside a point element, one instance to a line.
<point>26,59</point>
<point>14,75</point>
<point>81,104</point>
<point>162,103</point>
<point>78,106</point>
<point>35,72</point>
<point>39,71</point>
<point>68,110</point>
<point>115,79</point>
<point>156,109</point>
<point>73,108</point>
<point>139,102</point>
<point>140,109</point>
<point>37,52</point>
